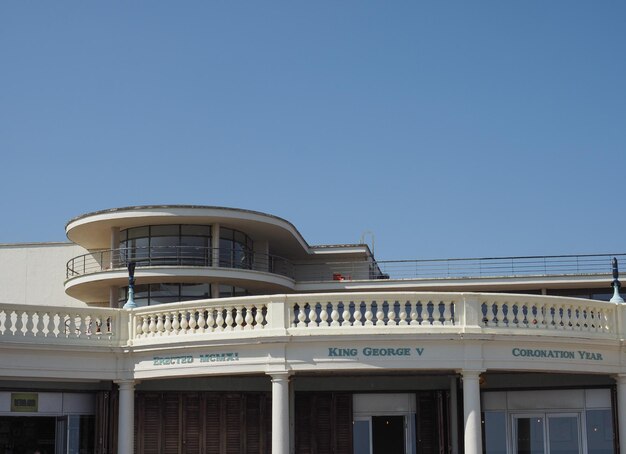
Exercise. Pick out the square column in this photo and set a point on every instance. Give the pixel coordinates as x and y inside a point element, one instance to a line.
<point>471,409</point>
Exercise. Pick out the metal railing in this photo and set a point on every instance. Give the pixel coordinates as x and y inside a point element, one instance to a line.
<point>556,265</point>
<point>188,256</point>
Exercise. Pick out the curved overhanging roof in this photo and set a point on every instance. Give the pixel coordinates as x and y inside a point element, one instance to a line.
<point>93,230</point>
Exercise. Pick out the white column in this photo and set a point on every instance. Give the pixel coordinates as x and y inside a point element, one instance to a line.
<point>471,411</point>
<point>126,421</point>
<point>280,413</point>
<point>621,410</point>
<point>454,418</point>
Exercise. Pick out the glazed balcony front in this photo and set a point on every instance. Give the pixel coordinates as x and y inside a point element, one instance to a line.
<point>89,277</point>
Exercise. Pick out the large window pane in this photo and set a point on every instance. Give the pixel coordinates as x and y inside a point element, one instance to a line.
<point>494,428</point>
<point>600,434</point>
<point>563,434</point>
<point>529,435</point>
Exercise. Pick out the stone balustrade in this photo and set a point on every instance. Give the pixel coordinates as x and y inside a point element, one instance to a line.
<point>313,314</point>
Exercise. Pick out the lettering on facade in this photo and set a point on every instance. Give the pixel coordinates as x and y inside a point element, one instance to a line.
<point>557,354</point>
<point>375,351</point>
<point>219,357</point>
<point>189,359</point>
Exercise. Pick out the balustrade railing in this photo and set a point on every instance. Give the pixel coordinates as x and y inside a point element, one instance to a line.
<point>540,313</point>
<point>191,256</point>
<point>48,324</point>
<point>313,315</point>
<point>202,317</point>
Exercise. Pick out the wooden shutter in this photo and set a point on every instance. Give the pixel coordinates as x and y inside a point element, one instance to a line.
<point>170,423</point>
<point>324,423</point>
<point>191,423</point>
<point>232,423</point>
<point>212,424</point>
<point>342,423</point>
<point>149,424</point>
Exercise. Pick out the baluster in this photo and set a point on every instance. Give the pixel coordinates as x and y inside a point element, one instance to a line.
<point>142,328</point>
<point>324,315</point>
<point>210,320</point>
<point>391,313</point>
<point>29,325</point>
<point>229,319</point>
<point>175,322</point>
<point>78,325</point>
<point>3,319</point>
<point>239,319</point>
<point>358,315</point>
<point>496,316</point>
<point>334,314</point>
<point>447,313</point>
<point>380,315</point>
<point>167,325</point>
<point>313,317</point>
<point>346,314</point>
<point>201,327</point>
<point>41,324</point>
<point>368,314</point>
<point>153,325</point>
<point>249,319</point>
<point>428,313</point>
<point>302,315</point>
<point>259,319</point>
<point>184,322</point>
<point>515,310</point>
<point>567,317</point>
<point>581,319</point>
<point>160,325</point>
<point>402,314</point>
<point>219,321</point>
<point>550,316</point>
<point>413,314</point>
<point>541,319</point>
<point>192,320</point>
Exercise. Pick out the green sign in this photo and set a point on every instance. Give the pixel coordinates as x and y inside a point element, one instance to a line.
<point>189,359</point>
<point>556,354</point>
<point>384,352</point>
<point>24,402</point>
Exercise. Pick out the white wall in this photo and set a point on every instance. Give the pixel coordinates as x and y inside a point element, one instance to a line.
<point>34,273</point>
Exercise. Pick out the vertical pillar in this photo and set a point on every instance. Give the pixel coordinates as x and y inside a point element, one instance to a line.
<point>114,296</point>
<point>471,412</point>
<point>215,244</point>
<point>280,413</point>
<point>126,420</point>
<point>454,417</point>
<point>621,410</point>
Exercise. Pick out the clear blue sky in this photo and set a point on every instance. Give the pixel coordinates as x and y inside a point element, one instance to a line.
<point>449,129</point>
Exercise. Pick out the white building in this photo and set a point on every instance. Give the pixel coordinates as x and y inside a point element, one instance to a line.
<point>246,339</point>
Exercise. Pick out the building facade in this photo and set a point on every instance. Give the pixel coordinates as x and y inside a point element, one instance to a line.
<point>243,338</point>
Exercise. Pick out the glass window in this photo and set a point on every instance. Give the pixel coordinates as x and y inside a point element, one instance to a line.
<point>600,436</point>
<point>494,432</point>
<point>165,230</point>
<point>563,434</point>
<point>529,435</point>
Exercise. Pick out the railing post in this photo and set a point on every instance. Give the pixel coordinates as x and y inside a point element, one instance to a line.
<point>278,313</point>
<point>470,313</point>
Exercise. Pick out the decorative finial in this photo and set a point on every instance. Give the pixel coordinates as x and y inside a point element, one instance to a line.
<point>130,304</point>
<point>616,284</point>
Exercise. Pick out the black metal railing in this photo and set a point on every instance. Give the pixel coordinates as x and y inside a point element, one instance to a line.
<point>192,256</point>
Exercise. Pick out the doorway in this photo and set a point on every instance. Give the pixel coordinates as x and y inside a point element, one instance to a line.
<point>547,433</point>
<point>25,434</point>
